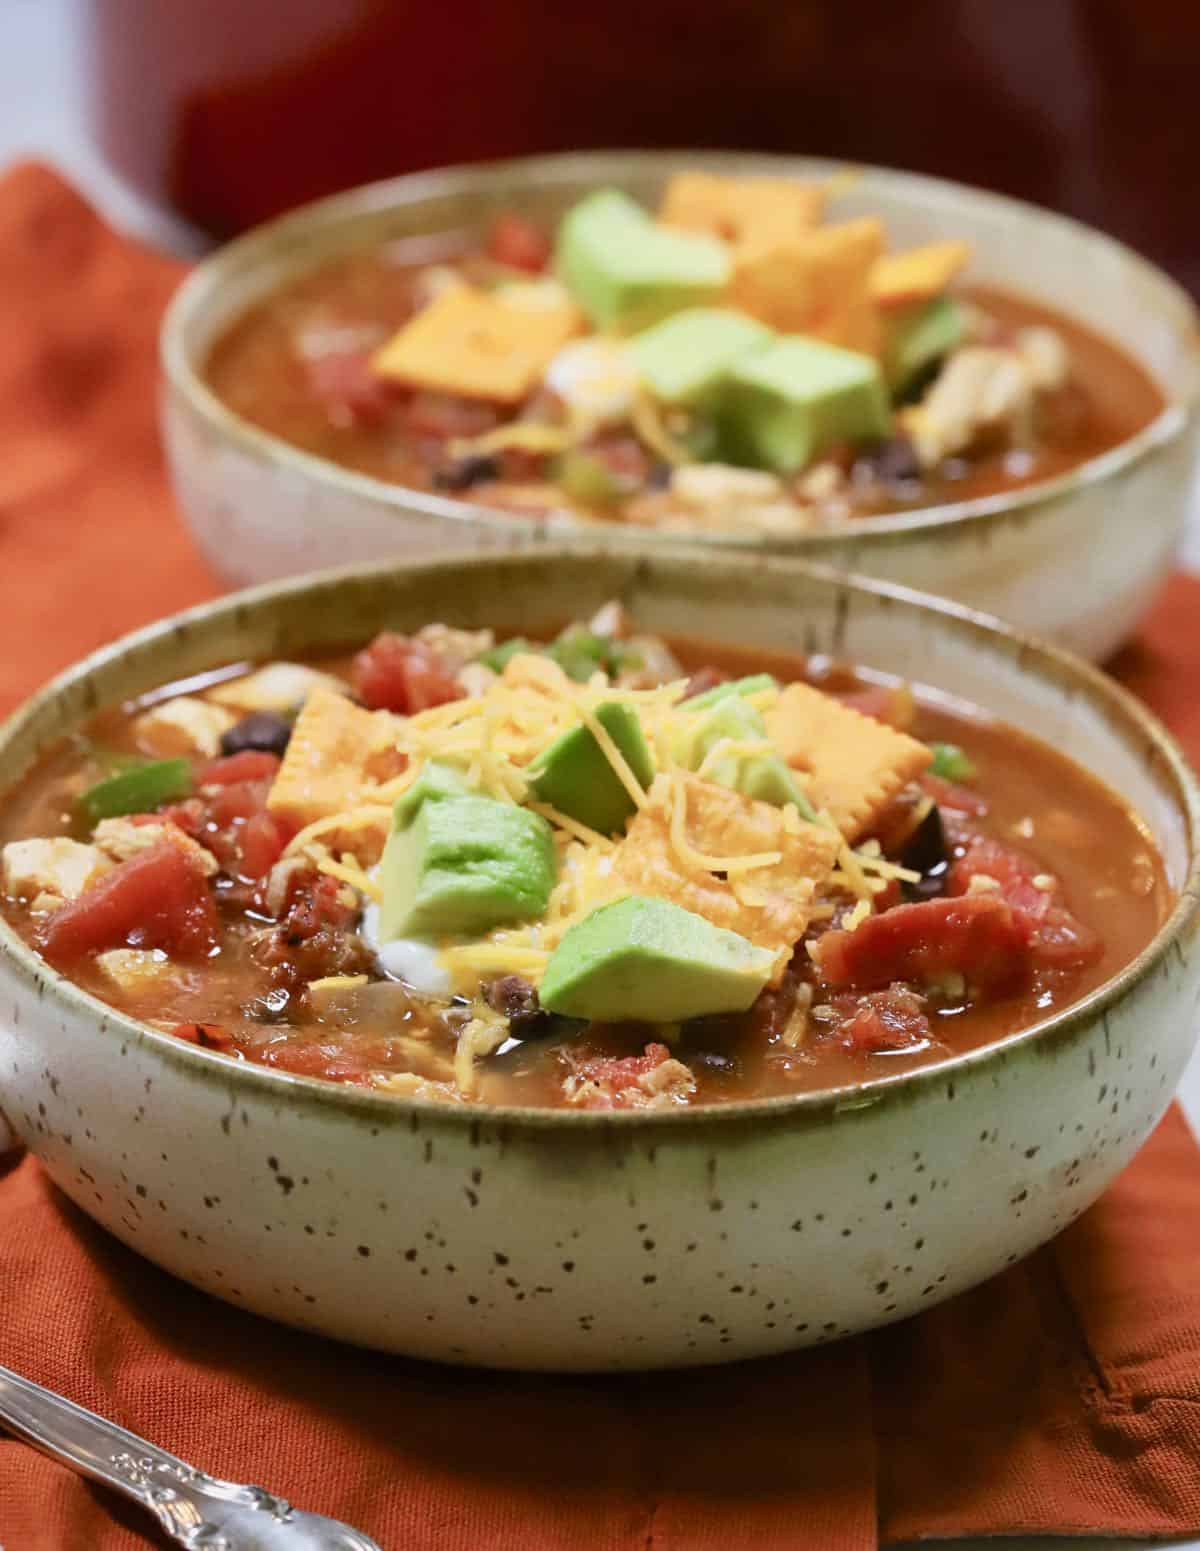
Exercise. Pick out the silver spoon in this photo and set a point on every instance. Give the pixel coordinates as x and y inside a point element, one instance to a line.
<point>196,1510</point>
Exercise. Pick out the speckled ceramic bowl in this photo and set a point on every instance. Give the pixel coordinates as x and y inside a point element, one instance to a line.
<point>563,1240</point>
<point>1076,558</point>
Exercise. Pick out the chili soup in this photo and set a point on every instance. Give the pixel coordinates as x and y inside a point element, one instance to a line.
<point>606,871</point>
<point>734,360</point>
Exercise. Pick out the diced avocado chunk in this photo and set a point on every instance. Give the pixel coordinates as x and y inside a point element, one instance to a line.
<point>920,336</point>
<point>750,685</point>
<point>782,406</point>
<point>626,272</point>
<point>762,775</point>
<point>643,959</point>
<point>574,774</point>
<point>436,782</point>
<point>684,359</point>
<point>465,865</point>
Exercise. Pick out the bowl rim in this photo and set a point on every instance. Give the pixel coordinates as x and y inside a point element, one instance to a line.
<point>184,377</point>
<point>817,1107</point>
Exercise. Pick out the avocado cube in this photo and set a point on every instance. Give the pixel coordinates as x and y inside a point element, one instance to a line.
<point>762,775</point>
<point>436,782</point>
<point>574,775</point>
<point>784,405</point>
<point>626,272</point>
<point>646,960</point>
<point>920,336</point>
<point>463,866</point>
<point>750,685</point>
<point>683,359</point>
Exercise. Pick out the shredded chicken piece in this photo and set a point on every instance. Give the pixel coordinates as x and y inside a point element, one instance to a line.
<point>981,388</point>
<point>455,648</point>
<point>121,839</point>
<point>476,678</point>
<point>408,1085</point>
<point>667,1083</point>
<point>1045,353</point>
<point>478,1037</point>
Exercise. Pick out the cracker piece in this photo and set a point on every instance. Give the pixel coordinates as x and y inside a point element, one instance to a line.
<point>920,274</point>
<point>817,284</point>
<point>475,343</point>
<point>854,764</point>
<point>749,212</point>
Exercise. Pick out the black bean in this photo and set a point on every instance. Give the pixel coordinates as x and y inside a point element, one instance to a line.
<point>926,853</point>
<point>893,462</point>
<point>712,1063</point>
<point>465,472</point>
<point>517,1001</point>
<point>266,731</point>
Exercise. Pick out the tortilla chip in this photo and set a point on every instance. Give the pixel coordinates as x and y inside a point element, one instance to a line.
<point>336,747</point>
<point>770,905</point>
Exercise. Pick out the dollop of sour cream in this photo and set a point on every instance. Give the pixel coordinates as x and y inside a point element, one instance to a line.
<point>595,378</point>
<point>405,958</point>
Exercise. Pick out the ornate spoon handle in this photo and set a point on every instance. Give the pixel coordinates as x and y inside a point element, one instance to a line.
<point>197,1509</point>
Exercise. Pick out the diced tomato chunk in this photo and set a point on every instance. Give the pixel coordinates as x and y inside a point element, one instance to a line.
<point>157,899</point>
<point>703,680</point>
<point>950,795</point>
<point>1057,939</point>
<point>314,904</point>
<point>344,382</point>
<point>892,704</point>
<point>976,936</point>
<point>517,242</point>
<point>1010,868</point>
<point>615,1081</point>
<point>441,416</point>
<point>395,673</point>
<point>260,844</point>
<point>882,1020</point>
<point>236,802</point>
<point>187,816</point>
<point>248,765</point>
<point>1060,940</point>
<point>313,1060</point>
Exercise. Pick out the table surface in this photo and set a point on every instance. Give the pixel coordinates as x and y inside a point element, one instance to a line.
<point>41,113</point>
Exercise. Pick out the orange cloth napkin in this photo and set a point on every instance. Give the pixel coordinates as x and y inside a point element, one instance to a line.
<point>1061,1397</point>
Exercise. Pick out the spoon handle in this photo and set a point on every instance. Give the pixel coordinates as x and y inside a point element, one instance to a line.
<point>190,1506</point>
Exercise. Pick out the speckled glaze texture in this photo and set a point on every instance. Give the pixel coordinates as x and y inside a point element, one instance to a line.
<point>1077,558</point>
<point>562,1240</point>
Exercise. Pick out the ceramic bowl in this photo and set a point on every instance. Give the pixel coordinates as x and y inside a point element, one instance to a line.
<point>563,1240</point>
<point>1076,558</point>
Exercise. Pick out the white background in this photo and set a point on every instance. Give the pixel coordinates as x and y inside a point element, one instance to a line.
<point>41,113</point>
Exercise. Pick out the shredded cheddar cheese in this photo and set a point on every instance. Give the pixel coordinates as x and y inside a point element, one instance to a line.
<point>765,872</point>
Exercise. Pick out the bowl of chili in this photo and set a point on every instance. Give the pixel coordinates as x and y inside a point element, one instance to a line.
<point>468,959</point>
<point>1000,410</point>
